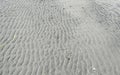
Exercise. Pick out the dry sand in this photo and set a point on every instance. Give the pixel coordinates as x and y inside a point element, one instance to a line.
<point>59,37</point>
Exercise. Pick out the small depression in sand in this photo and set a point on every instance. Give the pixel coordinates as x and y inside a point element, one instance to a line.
<point>75,7</point>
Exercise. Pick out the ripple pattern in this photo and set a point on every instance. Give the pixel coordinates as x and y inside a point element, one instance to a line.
<point>40,37</point>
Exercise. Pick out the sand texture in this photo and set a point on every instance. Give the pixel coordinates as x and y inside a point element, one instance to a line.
<point>59,37</point>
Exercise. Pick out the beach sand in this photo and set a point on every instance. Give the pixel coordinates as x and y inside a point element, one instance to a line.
<point>59,37</point>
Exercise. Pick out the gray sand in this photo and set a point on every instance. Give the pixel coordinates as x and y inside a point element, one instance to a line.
<point>59,37</point>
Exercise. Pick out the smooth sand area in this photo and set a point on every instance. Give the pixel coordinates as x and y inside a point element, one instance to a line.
<point>59,37</point>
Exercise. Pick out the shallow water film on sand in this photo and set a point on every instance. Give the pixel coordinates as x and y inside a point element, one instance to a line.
<point>59,37</point>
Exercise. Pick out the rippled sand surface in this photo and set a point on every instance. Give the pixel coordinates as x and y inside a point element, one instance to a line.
<point>59,37</point>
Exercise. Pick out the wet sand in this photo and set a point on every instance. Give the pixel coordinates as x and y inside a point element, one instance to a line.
<point>59,37</point>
